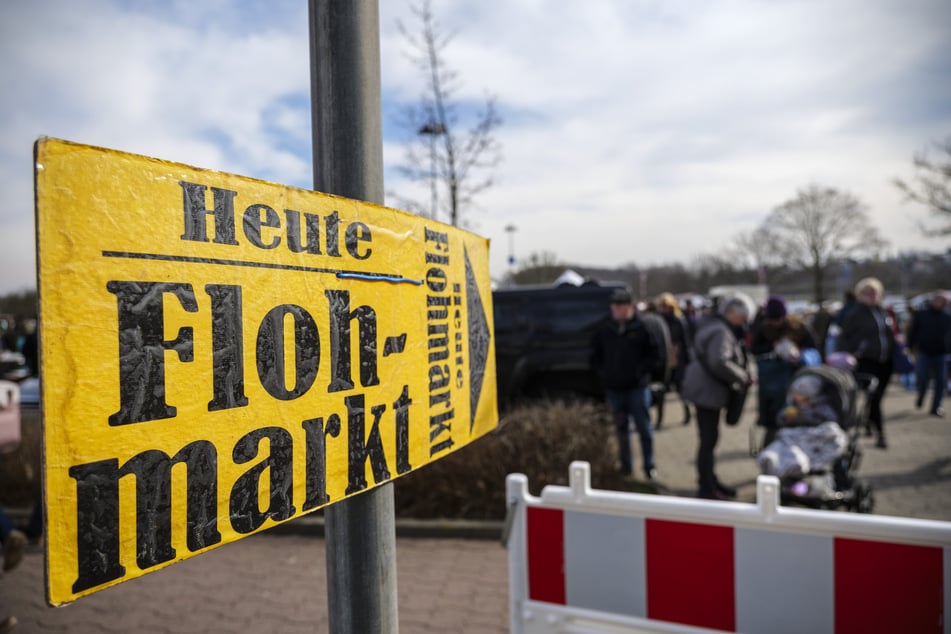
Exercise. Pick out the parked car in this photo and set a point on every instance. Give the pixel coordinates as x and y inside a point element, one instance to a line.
<point>543,337</point>
<point>13,366</point>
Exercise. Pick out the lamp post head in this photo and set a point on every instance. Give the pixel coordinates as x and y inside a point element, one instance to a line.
<point>433,129</point>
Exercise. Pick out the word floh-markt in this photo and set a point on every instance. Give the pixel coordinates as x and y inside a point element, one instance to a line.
<point>141,309</point>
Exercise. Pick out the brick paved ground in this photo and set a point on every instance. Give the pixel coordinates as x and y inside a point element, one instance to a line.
<point>276,582</point>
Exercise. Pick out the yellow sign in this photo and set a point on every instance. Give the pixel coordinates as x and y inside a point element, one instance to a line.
<point>220,354</point>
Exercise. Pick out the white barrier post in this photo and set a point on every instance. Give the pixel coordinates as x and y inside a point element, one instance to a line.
<point>516,491</point>
<point>584,560</point>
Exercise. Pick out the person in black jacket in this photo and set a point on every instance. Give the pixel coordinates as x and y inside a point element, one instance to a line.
<point>777,341</point>
<point>669,309</point>
<point>929,337</point>
<point>867,335</point>
<point>624,354</point>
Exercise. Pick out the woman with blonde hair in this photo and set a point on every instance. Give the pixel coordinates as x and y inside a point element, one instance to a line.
<point>668,303</point>
<point>867,335</point>
<point>669,309</point>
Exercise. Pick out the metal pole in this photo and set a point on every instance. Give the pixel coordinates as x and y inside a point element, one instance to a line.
<point>432,176</point>
<point>510,229</point>
<point>432,130</point>
<point>348,160</point>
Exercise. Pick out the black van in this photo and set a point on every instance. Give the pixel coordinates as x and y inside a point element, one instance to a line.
<point>543,337</point>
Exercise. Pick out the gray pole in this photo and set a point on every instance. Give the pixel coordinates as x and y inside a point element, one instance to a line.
<point>348,160</point>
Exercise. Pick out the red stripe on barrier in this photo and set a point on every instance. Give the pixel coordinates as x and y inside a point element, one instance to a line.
<point>690,574</point>
<point>546,555</point>
<point>882,587</point>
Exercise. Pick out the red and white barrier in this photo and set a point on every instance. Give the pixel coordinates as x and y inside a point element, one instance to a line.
<point>583,560</point>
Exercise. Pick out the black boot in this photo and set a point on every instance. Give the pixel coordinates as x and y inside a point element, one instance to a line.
<point>724,490</point>
<point>686,414</point>
<point>880,434</point>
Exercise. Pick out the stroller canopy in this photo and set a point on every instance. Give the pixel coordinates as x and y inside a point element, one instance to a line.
<point>839,390</point>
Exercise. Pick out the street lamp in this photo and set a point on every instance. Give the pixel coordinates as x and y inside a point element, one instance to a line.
<point>510,229</point>
<point>432,130</point>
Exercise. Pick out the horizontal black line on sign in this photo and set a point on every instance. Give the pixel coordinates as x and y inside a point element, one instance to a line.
<point>360,275</point>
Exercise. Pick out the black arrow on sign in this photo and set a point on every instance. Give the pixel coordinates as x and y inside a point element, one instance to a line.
<point>479,339</point>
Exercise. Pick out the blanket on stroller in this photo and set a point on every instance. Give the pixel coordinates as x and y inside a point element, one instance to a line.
<point>800,450</point>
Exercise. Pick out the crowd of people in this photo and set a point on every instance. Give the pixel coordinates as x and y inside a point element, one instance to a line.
<point>712,356</point>
<point>16,538</point>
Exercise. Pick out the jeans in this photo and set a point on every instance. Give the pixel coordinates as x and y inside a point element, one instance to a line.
<point>708,425</point>
<point>627,404</point>
<point>932,366</point>
<point>5,526</point>
<point>882,372</point>
<point>774,377</point>
<point>34,526</point>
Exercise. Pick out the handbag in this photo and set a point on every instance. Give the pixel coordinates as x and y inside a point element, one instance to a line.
<point>735,400</point>
<point>735,397</point>
<point>9,416</point>
<point>903,363</point>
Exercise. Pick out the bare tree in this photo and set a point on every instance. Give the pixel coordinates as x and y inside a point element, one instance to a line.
<point>21,304</point>
<point>818,226</point>
<point>755,249</point>
<point>454,161</point>
<point>541,258</point>
<point>540,267</point>
<point>931,185</point>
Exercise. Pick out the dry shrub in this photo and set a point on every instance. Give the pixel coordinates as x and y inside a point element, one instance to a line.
<point>539,439</point>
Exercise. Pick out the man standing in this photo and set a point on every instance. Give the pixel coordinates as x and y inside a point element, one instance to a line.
<point>929,337</point>
<point>624,354</point>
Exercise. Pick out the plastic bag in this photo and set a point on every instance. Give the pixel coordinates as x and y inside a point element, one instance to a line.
<point>810,357</point>
<point>9,416</point>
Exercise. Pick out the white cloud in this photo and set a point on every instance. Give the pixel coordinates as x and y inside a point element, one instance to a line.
<point>665,128</point>
<point>186,85</point>
<point>634,130</point>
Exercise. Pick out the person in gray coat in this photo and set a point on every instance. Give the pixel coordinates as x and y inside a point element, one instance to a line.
<point>721,363</point>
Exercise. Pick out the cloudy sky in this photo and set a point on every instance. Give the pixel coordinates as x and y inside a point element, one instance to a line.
<point>634,130</point>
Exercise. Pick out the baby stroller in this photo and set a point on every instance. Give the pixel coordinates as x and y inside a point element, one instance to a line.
<point>837,486</point>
